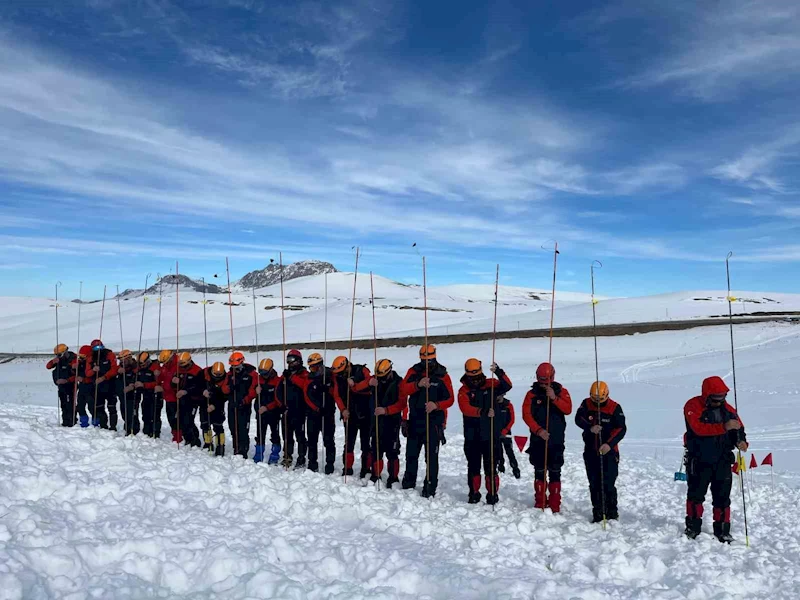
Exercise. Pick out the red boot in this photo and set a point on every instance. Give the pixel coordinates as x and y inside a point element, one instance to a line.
<point>554,501</point>
<point>540,494</point>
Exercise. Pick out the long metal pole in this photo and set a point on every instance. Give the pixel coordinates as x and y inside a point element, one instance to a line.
<point>598,439</point>
<point>77,359</point>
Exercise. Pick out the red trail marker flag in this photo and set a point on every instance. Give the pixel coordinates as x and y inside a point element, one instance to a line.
<point>753,461</point>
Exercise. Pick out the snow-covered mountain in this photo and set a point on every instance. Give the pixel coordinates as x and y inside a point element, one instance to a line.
<point>271,274</point>
<point>166,285</point>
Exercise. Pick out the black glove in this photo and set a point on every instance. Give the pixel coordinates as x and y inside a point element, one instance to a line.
<point>404,428</point>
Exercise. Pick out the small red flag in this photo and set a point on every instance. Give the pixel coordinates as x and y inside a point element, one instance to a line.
<point>521,440</point>
<point>767,460</point>
<point>735,468</point>
<point>753,461</point>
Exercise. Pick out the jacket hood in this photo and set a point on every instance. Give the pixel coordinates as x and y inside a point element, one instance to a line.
<point>714,385</point>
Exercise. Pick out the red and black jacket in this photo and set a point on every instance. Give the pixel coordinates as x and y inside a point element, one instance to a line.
<point>291,393</point>
<point>148,377</point>
<point>391,394</point>
<point>609,416</point>
<point>706,438</point>
<point>218,389</point>
<point>360,393</point>
<point>242,385</point>
<point>107,361</point>
<point>440,392</point>
<point>475,399</point>
<point>534,413</point>
<point>269,388</point>
<point>193,382</point>
<point>322,393</point>
<point>167,372</point>
<point>64,367</point>
<point>126,375</point>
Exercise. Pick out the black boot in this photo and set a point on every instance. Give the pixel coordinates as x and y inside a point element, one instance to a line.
<point>300,464</point>
<point>693,527</point>
<point>722,531</point>
<point>391,481</point>
<point>313,467</point>
<point>428,490</point>
<point>409,485</point>
<point>492,499</point>
<point>374,478</point>
<point>597,516</point>
<point>328,469</point>
<point>501,467</point>
<point>474,497</point>
<point>364,472</point>
<point>515,471</point>
<point>347,472</point>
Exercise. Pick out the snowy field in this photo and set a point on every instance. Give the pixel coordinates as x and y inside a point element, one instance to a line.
<point>27,324</point>
<point>90,514</point>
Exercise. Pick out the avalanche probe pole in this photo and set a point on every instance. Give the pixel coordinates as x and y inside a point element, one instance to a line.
<point>258,375</point>
<point>350,366</point>
<point>77,358</point>
<point>205,347</point>
<point>550,361</point>
<point>427,378</point>
<point>233,371</point>
<point>58,402</point>
<point>157,408</point>
<point>739,459</point>
<point>178,416</point>
<point>491,419</point>
<point>285,382</point>
<point>598,439</point>
<point>139,351</point>
<point>102,315</point>
<point>376,460</point>
<point>124,376</point>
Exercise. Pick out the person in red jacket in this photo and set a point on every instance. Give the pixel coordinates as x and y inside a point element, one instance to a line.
<point>216,394</point>
<point>389,398</point>
<point>505,413</point>
<point>354,393</point>
<point>431,394</point>
<point>145,386</point>
<point>477,400</point>
<point>168,387</point>
<point>292,395</point>
<point>270,411</point>
<point>603,425</point>
<point>102,367</point>
<point>126,391</point>
<point>713,431</point>
<point>242,381</point>
<point>191,385</point>
<point>63,367</point>
<point>544,410</point>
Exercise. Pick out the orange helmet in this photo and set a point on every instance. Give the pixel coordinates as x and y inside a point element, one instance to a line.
<point>60,349</point>
<point>340,364</point>
<point>165,356</point>
<point>266,365</point>
<point>144,358</point>
<point>599,391</point>
<point>236,359</point>
<point>314,359</point>
<point>383,368</point>
<point>473,367</point>
<point>218,370</point>
<point>125,354</point>
<point>184,359</point>
<point>427,352</point>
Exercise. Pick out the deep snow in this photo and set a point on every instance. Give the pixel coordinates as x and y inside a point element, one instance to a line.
<point>85,513</point>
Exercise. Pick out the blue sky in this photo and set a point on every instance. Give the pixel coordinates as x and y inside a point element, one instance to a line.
<point>652,136</point>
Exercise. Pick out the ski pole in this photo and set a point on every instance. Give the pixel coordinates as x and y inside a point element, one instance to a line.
<point>598,439</point>
<point>735,395</point>
<point>350,368</point>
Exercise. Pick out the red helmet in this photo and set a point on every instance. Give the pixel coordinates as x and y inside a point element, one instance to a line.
<point>96,345</point>
<point>85,351</point>
<point>545,373</point>
<point>294,357</point>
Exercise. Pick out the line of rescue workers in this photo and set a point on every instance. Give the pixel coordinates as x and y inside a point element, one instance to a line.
<point>299,405</point>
